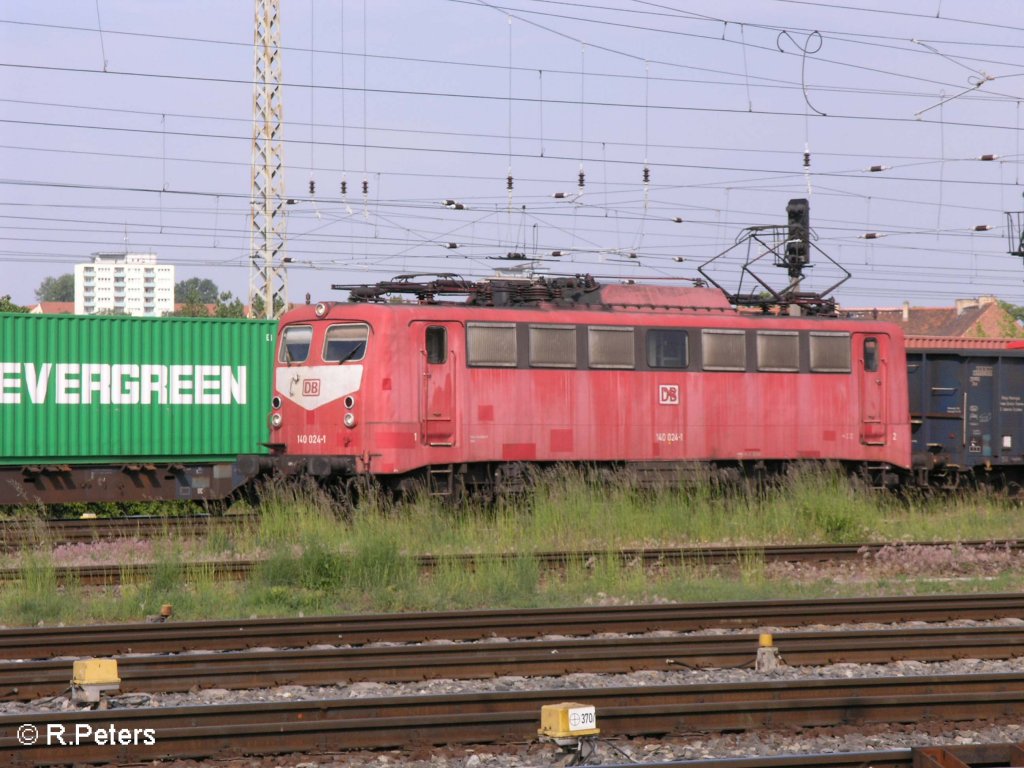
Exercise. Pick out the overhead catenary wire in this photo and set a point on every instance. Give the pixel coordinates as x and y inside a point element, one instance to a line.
<point>622,199</point>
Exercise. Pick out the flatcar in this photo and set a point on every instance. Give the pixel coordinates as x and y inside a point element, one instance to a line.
<point>468,384</point>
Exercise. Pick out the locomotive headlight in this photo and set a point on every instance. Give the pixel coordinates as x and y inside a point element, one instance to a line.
<point>350,420</point>
<point>276,420</point>
<point>321,309</point>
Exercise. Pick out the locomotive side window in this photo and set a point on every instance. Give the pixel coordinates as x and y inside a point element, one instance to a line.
<point>295,341</point>
<point>611,347</point>
<point>492,344</point>
<point>345,342</point>
<point>553,346</point>
<point>871,354</point>
<point>666,348</point>
<point>778,351</point>
<point>437,344</point>
<point>830,352</point>
<point>724,350</point>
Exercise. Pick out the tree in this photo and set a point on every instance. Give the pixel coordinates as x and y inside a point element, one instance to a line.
<point>223,305</point>
<point>258,306</point>
<point>1013,326</point>
<point>196,290</point>
<point>57,288</point>
<point>228,306</point>
<point>6,305</point>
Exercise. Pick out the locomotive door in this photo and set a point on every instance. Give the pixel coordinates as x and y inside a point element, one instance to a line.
<point>871,353</point>
<point>437,392</point>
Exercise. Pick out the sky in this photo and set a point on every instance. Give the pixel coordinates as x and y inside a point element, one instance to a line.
<point>128,125</point>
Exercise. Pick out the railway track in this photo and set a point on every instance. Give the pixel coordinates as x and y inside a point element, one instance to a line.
<point>28,680</point>
<point>359,629</point>
<point>19,533</point>
<point>379,723</point>
<point>114,574</point>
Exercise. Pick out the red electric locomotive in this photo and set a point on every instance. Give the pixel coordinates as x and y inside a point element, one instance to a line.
<point>467,383</point>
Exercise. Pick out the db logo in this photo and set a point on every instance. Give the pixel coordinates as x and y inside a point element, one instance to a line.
<point>311,387</point>
<point>668,394</point>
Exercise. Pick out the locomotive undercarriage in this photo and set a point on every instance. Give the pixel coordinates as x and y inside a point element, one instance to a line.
<point>491,481</point>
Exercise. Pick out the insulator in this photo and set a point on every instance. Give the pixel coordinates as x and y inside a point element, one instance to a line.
<point>632,255</point>
<point>344,187</point>
<point>989,157</point>
<point>647,174</point>
<point>678,258</point>
<point>582,180</point>
<point>458,207</point>
<point>677,219</point>
<point>312,187</point>
<point>559,195</point>
<point>556,253</point>
<point>366,187</point>
<point>508,183</point>
<point>451,246</point>
<point>982,227</point>
<point>871,235</point>
<point>807,159</point>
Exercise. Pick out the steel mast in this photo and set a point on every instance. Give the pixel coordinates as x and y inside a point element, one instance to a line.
<point>268,278</point>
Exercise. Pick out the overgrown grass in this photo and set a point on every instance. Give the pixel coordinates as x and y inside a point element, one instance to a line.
<point>318,557</point>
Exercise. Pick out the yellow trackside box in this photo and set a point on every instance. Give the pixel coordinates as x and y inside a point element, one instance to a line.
<point>568,720</point>
<point>95,672</point>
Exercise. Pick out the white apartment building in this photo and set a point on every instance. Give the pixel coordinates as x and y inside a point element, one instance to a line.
<point>124,283</point>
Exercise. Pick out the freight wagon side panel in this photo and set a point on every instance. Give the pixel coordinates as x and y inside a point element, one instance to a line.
<point>108,389</point>
<point>967,407</point>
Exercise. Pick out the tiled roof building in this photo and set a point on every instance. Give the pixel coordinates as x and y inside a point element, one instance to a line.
<point>981,318</point>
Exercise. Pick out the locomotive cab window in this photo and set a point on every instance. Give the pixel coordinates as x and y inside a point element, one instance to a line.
<point>871,354</point>
<point>295,341</point>
<point>724,350</point>
<point>666,348</point>
<point>610,347</point>
<point>345,342</point>
<point>830,352</point>
<point>778,351</point>
<point>491,344</point>
<point>553,346</point>
<point>437,344</point>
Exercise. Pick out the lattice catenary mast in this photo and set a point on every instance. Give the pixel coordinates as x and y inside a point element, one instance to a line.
<point>268,279</point>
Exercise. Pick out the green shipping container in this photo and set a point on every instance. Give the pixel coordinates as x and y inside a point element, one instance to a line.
<point>80,389</point>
